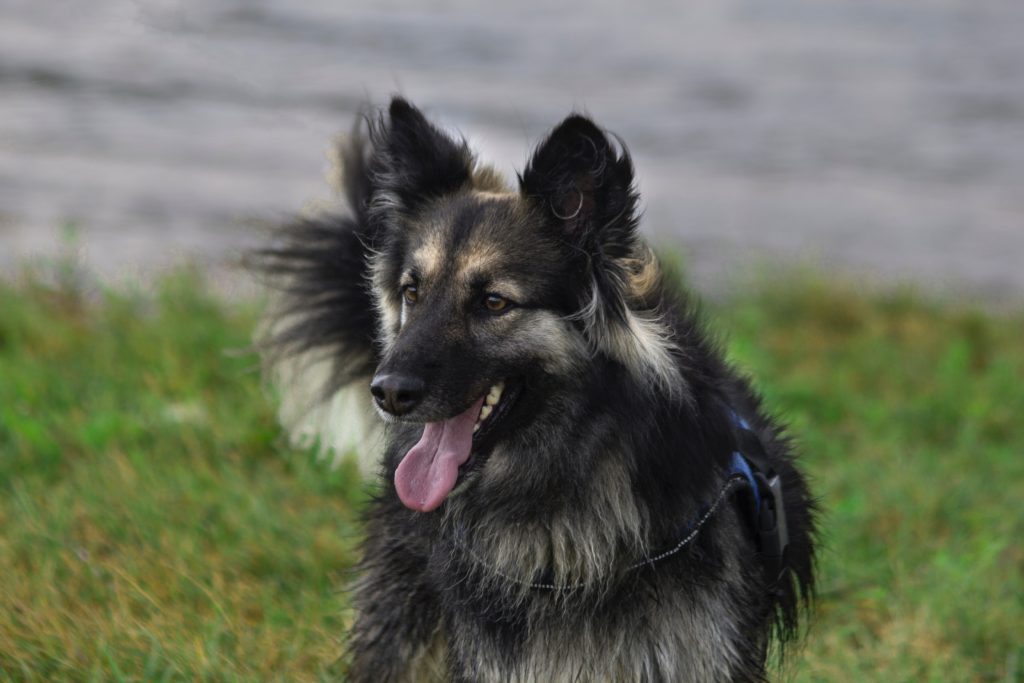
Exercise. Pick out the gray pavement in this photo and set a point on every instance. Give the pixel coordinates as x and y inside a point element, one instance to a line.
<point>879,138</point>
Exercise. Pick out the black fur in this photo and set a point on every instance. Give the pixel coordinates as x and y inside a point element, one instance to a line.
<point>317,268</point>
<point>595,452</point>
<point>588,189</point>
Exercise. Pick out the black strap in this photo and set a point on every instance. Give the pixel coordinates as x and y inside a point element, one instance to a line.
<point>768,515</point>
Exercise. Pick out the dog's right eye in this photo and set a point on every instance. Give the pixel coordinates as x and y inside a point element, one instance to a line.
<point>410,294</point>
<point>496,304</point>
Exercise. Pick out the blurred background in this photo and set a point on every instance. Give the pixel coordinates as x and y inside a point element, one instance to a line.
<point>844,180</point>
<point>875,137</point>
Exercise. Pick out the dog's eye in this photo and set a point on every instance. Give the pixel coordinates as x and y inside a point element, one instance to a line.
<point>495,303</point>
<point>410,294</point>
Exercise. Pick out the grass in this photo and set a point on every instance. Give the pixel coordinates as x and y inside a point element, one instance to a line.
<point>154,526</point>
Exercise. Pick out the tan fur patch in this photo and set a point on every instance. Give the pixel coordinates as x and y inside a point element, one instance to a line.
<point>389,309</point>
<point>642,342</point>
<point>550,338</point>
<point>645,345</point>
<point>644,274</point>
<point>508,288</point>
<point>430,663</point>
<point>430,255</point>
<point>488,179</point>
<point>476,258</point>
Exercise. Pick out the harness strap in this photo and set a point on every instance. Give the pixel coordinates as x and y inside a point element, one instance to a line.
<point>750,470</point>
<point>768,513</point>
<point>742,467</point>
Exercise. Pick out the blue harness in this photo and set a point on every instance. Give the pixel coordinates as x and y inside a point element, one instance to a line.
<point>739,464</point>
<point>767,510</point>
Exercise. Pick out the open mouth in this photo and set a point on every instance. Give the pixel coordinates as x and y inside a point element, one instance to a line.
<point>449,448</point>
<point>495,407</point>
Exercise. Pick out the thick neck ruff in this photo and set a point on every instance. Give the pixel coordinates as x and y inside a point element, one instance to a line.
<point>748,471</point>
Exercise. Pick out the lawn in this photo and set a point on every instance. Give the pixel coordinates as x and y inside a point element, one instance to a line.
<point>154,525</point>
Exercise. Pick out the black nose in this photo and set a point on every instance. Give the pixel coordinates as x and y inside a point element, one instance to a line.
<point>397,394</point>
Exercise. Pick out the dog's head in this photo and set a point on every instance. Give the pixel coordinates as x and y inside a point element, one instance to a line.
<point>486,293</point>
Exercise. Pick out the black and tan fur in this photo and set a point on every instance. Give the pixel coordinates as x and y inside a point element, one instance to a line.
<point>618,435</point>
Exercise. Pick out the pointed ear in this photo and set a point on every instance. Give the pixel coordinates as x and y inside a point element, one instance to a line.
<point>585,184</point>
<point>415,160</point>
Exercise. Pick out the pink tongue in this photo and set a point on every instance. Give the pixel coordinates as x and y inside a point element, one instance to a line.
<point>428,471</point>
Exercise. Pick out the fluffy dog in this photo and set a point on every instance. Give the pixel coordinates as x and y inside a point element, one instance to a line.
<point>575,485</point>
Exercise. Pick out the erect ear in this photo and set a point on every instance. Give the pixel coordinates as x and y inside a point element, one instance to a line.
<point>586,186</point>
<point>413,159</point>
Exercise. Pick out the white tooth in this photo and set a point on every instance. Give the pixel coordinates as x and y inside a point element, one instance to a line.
<point>494,396</point>
<point>476,428</point>
<point>485,411</point>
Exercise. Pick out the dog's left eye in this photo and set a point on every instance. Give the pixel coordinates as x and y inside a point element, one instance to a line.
<point>410,294</point>
<point>495,303</point>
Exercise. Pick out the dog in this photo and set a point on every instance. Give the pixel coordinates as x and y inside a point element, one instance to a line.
<point>575,484</point>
